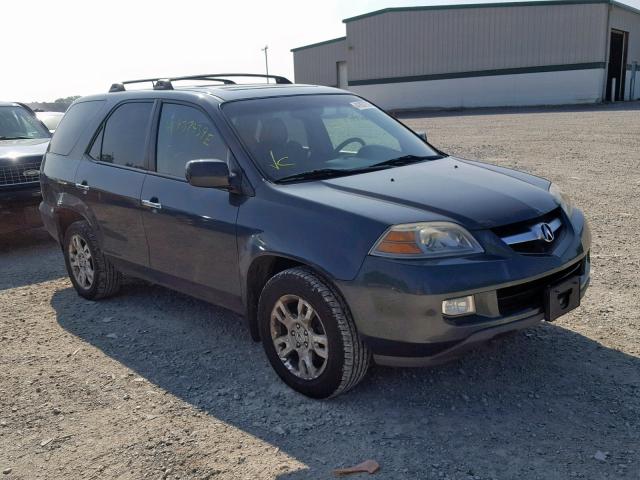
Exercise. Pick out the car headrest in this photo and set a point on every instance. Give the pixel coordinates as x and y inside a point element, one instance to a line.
<point>273,132</point>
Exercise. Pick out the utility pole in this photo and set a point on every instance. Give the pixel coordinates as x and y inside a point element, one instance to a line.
<point>266,59</point>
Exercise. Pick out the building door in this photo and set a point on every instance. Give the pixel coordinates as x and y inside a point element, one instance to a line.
<point>616,73</point>
<point>342,75</point>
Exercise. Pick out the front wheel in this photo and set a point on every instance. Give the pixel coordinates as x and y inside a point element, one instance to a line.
<point>309,336</point>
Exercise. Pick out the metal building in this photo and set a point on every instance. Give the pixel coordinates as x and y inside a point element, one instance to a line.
<point>498,54</point>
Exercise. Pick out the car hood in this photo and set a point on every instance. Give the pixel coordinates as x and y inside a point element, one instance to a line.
<point>449,188</point>
<point>12,150</point>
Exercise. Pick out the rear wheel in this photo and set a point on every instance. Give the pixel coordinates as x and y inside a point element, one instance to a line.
<point>92,275</point>
<point>309,336</point>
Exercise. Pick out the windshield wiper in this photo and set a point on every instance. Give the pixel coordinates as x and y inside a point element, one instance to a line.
<point>317,174</point>
<point>339,172</point>
<point>405,160</point>
<point>15,138</point>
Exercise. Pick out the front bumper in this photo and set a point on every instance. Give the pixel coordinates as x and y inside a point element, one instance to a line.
<point>397,304</point>
<point>15,196</point>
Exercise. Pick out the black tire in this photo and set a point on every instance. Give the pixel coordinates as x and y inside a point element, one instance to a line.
<point>106,279</point>
<point>348,357</point>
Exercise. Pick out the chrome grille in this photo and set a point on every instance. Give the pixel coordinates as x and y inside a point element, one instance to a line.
<point>15,174</point>
<point>528,237</point>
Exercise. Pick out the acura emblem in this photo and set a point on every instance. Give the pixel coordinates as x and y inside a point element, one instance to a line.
<point>547,233</point>
<point>31,173</point>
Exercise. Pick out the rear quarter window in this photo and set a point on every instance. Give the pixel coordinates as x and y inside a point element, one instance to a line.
<point>73,123</point>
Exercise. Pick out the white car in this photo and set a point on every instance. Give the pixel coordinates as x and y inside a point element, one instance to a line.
<point>50,119</point>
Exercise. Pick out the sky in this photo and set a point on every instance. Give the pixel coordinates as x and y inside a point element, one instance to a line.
<point>67,47</point>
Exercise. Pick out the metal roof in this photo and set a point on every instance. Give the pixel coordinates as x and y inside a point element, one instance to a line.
<point>333,40</point>
<point>540,3</point>
<point>526,3</point>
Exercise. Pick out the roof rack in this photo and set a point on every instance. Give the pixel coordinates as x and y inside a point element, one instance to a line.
<point>166,83</point>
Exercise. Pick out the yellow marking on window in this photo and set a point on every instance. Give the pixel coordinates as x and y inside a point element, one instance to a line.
<point>200,131</point>
<point>277,164</point>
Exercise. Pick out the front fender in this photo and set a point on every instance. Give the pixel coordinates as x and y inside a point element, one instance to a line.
<point>333,242</point>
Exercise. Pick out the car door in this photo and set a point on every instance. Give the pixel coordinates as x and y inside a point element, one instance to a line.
<point>110,181</point>
<point>191,231</point>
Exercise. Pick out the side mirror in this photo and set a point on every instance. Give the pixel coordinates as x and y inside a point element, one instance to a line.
<point>209,174</point>
<point>422,135</point>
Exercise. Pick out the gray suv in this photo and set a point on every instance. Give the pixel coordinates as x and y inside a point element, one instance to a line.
<point>341,235</point>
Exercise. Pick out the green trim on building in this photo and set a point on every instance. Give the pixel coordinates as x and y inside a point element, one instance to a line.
<point>480,73</point>
<point>326,42</point>
<point>541,3</point>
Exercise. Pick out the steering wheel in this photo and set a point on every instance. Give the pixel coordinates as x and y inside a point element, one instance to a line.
<point>336,151</point>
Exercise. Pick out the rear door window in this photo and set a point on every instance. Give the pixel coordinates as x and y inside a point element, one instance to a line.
<point>96,148</point>
<point>124,137</point>
<point>186,133</point>
<point>72,125</point>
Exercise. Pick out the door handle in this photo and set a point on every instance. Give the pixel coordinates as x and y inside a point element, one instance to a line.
<point>153,203</point>
<point>83,186</point>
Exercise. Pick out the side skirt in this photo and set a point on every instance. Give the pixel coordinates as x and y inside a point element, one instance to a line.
<point>216,297</point>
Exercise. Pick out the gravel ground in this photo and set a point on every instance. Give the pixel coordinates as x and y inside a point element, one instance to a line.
<point>154,384</point>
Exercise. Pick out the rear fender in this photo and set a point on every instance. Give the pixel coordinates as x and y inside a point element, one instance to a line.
<point>70,208</point>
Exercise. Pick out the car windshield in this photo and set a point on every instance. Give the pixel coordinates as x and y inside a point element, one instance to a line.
<point>17,123</point>
<point>322,136</point>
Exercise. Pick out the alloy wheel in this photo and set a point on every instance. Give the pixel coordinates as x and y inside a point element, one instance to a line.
<point>81,261</point>
<point>299,337</point>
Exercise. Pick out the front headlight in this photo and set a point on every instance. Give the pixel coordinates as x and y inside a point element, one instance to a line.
<point>426,240</point>
<point>562,198</point>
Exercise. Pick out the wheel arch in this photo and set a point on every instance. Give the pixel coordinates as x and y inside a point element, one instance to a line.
<point>64,218</point>
<point>261,269</point>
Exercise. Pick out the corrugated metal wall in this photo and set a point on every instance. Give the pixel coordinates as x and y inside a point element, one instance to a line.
<point>628,22</point>
<point>318,64</point>
<point>423,42</point>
